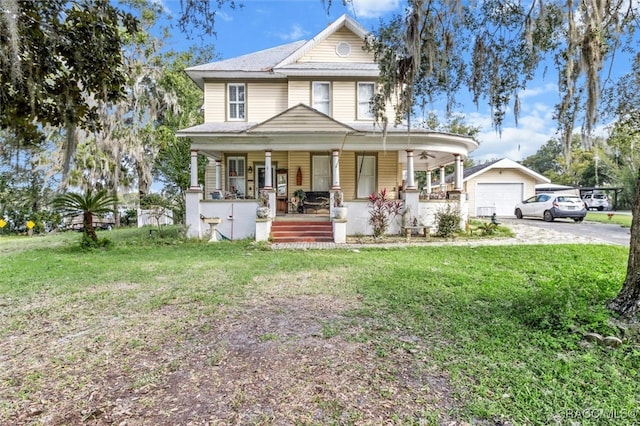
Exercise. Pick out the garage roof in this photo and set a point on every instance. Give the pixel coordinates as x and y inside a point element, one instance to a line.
<point>503,163</point>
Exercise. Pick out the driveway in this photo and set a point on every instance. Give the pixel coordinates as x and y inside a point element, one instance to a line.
<point>593,231</point>
<point>526,231</point>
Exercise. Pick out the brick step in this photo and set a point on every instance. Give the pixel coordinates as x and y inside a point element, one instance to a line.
<point>297,228</point>
<point>299,231</point>
<point>301,239</point>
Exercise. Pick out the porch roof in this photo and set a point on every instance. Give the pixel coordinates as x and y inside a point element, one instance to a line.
<point>431,149</point>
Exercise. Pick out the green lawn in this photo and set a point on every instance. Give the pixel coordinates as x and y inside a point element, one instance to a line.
<point>500,327</point>
<point>610,217</point>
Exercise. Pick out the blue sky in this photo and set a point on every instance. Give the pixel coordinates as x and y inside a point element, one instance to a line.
<point>262,24</point>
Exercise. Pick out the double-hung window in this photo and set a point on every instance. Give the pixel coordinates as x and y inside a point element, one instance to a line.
<point>235,178</point>
<point>236,96</point>
<point>365,95</point>
<point>321,96</point>
<point>366,175</point>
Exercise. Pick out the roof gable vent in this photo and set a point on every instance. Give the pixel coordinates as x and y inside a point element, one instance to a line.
<point>343,49</point>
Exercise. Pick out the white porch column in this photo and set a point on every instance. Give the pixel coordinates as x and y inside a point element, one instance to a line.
<point>443,183</point>
<point>335,165</point>
<point>194,170</point>
<point>428,181</point>
<point>268,181</point>
<point>218,175</point>
<point>411,179</point>
<point>458,173</point>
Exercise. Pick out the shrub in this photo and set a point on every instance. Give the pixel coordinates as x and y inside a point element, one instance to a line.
<point>129,218</point>
<point>88,242</point>
<point>448,220</point>
<point>488,228</point>
<point>382,210</point>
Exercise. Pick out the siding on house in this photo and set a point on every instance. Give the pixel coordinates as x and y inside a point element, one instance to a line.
<point>325,51</point>
<point>264,100</point>
<point>299,92</point>
<point>389,173</point>
<point>214,102</point>
<point>209,179</point>
<point>344,100</point>
<point>303,161</point>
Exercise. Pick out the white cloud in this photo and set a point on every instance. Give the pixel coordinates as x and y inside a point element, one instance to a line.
<point>540,90</point>
<point>296,32</point>
<point>535,127</point>
<point>224,16</point>
<point>373,8</point>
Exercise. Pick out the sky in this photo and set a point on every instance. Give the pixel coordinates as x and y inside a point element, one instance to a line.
<point>262,24</point>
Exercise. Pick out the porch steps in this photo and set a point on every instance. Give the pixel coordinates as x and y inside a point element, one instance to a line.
<point>298,231</point>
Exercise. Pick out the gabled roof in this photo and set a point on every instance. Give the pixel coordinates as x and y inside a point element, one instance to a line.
<point>263,60</point>
<point>343,21</point>
<point>280,61</point>
<point>256,64</point>
<point>300,118</point>
<point>502,163</point>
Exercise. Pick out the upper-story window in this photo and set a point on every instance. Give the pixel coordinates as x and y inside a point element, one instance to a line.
<point>365,94</point>
<point>321,97</point>
<point>236,95</point>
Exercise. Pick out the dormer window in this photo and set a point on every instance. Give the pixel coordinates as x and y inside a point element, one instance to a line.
<point>321,96</point>
<point>365,95</point>
<point>236,96</point>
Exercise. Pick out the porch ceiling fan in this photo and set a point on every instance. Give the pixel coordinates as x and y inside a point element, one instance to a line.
<point>425,155</point>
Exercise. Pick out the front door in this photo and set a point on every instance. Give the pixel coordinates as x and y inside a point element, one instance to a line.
<point>260,176</point>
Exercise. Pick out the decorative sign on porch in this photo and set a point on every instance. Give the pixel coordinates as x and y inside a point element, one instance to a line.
<point>299,177</point>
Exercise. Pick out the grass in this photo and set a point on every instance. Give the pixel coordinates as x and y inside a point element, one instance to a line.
<point>503,323</point>
<point>623,220</point>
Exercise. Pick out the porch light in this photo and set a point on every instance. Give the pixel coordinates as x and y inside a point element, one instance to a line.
<point>250,170</point>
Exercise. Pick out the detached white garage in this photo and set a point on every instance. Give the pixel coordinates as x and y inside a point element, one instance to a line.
<point>498,198</point>
<point>497,186</point>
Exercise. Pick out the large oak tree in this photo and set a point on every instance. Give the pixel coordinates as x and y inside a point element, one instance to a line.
<point>62,60</point>
<point>495,48</point>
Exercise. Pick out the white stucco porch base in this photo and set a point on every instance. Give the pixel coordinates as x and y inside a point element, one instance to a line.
<point>358,216</point>
<point>239,216</point>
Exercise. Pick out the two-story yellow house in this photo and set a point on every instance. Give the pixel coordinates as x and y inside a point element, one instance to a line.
<point>297,117</point>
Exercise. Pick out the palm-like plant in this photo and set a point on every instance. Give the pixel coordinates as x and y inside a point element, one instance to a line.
<point>87,204</point>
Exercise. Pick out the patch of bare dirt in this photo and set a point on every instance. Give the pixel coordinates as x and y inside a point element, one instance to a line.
<point>272,360</point>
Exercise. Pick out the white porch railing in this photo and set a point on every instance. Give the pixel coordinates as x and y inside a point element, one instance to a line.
<point>239,217</point>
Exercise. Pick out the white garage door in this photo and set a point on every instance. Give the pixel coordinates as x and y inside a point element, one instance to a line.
<point>498,197</point>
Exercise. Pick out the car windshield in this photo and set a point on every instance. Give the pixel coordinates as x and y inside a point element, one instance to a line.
<point>600,196</point>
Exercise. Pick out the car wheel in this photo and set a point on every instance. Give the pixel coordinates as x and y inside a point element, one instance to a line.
<point>518,214</point>
<point>548,217</point>
<point>578,219</point>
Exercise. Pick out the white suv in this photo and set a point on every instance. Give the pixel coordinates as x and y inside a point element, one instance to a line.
<point>596,201</point>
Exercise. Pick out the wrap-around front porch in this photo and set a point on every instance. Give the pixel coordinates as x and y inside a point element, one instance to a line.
<point>213,210</point>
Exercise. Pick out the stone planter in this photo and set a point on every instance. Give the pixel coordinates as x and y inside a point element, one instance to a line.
<point>340,212</point>
<point>262,212</point>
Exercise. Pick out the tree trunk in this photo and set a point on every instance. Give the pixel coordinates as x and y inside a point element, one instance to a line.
<point>627,302</point>
<point>88,226</point>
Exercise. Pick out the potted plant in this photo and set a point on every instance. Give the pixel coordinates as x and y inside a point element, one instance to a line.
<point>262,212</point>
<point>339,209</point>
<point>300,196</point>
